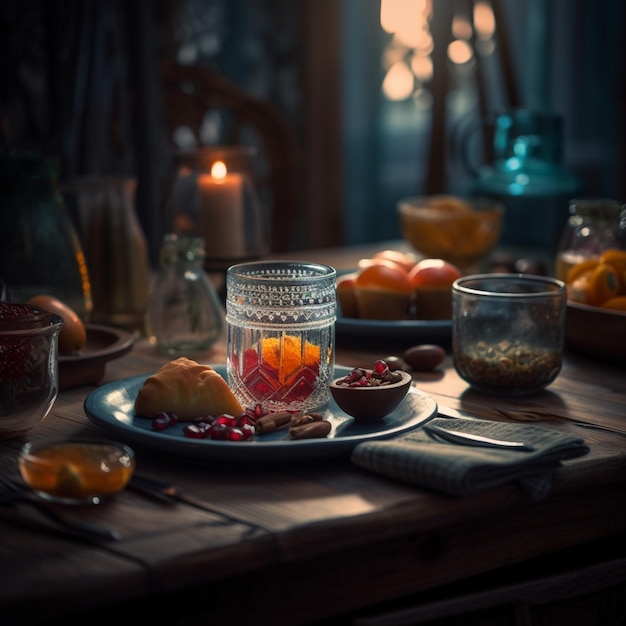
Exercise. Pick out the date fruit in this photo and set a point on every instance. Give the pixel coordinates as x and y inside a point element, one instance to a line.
<point>425,357</point>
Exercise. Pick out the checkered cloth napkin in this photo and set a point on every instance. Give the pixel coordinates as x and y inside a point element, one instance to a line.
<point>417,458</point>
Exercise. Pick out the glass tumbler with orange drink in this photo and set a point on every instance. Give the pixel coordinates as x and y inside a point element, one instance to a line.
<point>281,334</point>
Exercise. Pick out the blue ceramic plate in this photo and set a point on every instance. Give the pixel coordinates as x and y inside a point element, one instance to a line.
<point>112,407</point>
<point>410,331</point>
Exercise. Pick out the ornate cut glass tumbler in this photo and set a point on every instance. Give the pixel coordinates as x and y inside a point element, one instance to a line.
<point>281,334</point>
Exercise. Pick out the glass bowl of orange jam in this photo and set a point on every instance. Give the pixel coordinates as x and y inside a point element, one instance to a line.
<point>461,231</point>
<point>79,471</point>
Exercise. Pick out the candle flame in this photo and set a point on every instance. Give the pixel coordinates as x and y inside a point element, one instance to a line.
<point>218,169</point>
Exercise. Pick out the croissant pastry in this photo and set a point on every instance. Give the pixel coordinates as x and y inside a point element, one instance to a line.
<point>188,389</point>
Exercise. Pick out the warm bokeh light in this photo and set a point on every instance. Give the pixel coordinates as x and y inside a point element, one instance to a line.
<point>393,54</point>
<point>409,33</point>
<point>461,28</point>
<point>422,67</point>
<point>398,15</point>
<point>425,44</point>
<point>459,52</point>
<point>406,57</point>
<point>484,20</point>
<point>218,169</point>
<point>398,84</point>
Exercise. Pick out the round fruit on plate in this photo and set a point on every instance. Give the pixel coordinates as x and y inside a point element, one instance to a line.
<point>346,295</point>
<point>432,281</point>
<point>383,291</point>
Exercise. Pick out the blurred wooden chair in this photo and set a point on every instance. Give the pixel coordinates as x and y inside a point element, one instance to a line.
<point>190,92</point>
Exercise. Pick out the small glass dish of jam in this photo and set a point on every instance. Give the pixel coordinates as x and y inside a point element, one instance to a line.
<point>77,471</point>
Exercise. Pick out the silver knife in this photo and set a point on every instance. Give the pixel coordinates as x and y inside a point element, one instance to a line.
<point>446,411</point>
<point>469,439</point>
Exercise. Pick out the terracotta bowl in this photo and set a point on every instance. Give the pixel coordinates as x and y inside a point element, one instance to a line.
<point>595,331</point>
<point>370,403</point>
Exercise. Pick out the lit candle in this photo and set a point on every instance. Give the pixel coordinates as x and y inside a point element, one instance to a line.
<point>221,212</point>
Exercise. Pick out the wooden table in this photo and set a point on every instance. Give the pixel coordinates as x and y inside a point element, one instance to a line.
<point>300,543</point>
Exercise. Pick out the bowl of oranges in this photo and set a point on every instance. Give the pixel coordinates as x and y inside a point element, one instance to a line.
<point>596,309</point>
<point>458,230</point>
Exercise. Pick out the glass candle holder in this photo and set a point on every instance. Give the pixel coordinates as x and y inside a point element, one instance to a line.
<point>214,195</point>
<point>507,331</point>
<point>281,334</point>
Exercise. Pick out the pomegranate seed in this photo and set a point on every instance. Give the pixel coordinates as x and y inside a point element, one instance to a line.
<point>168,416</point>
<point>218,431</point>
<point>227,420</point>
<point>160,423</point>
<point>380,367</point>
<point>354,375</point>
<point>248,430</point>
<point>193,431</point>
<point>245,420</point>
<point>235,434</point>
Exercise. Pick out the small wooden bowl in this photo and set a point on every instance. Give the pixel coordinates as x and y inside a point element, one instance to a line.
<point>369,404</point>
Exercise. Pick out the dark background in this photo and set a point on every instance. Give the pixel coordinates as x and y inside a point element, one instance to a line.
<point>81,79</point>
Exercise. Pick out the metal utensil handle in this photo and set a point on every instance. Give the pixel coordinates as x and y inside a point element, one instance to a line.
<point>459,437</point>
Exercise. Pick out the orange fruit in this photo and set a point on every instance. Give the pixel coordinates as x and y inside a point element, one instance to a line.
<point>73,335</point>
<point>383,291</point>
<point>615,304</point>
<point>616,259</point>
<point>385,275</point>
<point>346,296</point>
<point>580,268</point>
<point>433,273</point>
<point>579,290</point>
<point>407,261</point>
<point>604,284</point>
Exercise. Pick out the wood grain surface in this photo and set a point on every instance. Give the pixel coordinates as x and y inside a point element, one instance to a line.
<point>295,543</point>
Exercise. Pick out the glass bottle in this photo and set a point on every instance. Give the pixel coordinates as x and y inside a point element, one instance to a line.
<point>115,248</point>
<point>40,252</point>
<point>593,227</point>
<point>184,312</point>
